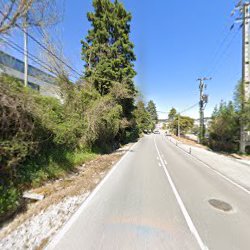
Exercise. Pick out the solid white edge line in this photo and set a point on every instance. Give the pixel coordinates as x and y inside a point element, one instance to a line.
<point>181,205</point>
<point>216,171</point>
<point>58,236</point>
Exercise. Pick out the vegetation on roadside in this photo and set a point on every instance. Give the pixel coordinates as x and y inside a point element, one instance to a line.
<point>43,138</point>
<point>224,128</point>
<point>146,117</point>
<point>186,123</point>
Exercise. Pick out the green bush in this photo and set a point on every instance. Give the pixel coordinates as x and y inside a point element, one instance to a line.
<point>42,138</point>
<point>9,200</point>
<point>224,128</point>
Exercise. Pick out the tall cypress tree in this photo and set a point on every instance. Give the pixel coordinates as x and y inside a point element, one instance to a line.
<point>151,108</point>
<point>108,51</point>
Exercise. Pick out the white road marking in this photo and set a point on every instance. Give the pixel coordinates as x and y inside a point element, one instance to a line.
<point>181,204</point>
<point>54,241</point>
<point>217,172</point>
<point>159,164</point>
<point>165,162</point>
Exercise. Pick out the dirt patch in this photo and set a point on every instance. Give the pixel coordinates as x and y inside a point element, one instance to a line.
<point>240,157</point>
<point>195,144</point>
<point>83,180</point>
<point>189,142</point>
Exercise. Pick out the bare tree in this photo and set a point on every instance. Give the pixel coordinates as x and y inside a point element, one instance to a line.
<point>11,11</point>
<point>54,55</point>
<point>39,13</point>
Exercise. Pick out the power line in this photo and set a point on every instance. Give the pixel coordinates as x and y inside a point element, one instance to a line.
<point>38,61</point>
<point>219,60</point>
<point>44,47</point>
<point>162,112</point>
<point>226,33</point>
<point>220,51</point>
<point>183,111</point>
<point>189,108</point>
<point>19,49</point>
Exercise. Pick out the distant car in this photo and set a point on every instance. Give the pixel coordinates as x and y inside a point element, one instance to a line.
<point>156,132</point>
<point>167,133</point>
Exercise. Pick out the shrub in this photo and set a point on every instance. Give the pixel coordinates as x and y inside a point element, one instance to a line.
<point>224,128</point>
<point>9,200</point>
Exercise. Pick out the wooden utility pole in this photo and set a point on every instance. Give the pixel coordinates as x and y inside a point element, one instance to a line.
<point>179,127</point>
<point>203,101</point>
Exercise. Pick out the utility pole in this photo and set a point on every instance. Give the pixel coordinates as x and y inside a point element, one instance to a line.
<point>245,74</point>
<point>179,129</point>
<point>203,102</point>
<point>242,8</point>
<point>25,34</point>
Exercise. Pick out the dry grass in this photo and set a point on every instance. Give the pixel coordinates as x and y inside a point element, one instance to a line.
<point>83,180</point>
<point>195,144</point>
<point>189,142</point>
<point>43,244</point>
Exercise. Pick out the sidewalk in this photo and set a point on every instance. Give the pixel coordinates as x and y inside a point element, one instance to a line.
<point>234,169</point>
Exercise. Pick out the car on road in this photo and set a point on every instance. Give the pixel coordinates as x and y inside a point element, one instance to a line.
<point>156,132</point>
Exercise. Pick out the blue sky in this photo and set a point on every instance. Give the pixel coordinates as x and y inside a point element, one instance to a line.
<point>175,42</point>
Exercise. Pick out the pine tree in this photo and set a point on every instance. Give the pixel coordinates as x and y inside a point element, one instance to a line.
<point>224,128</point>
<point>143,118</point>
<point>108,52</point>
<point>172,114</point>
<point>151,108</point>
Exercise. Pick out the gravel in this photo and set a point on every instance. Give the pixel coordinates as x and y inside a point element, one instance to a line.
<point>39,228</point>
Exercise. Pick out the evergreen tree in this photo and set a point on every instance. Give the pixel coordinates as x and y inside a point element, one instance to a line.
<point>186,122</point>
<point>172,114</point>
<point>108,52</point>
<point>224,128</point>
<point>242,110</point>
<point>151,108</point>
<point>143,117</point>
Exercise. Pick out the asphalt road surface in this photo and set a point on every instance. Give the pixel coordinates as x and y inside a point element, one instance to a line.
<point>157,197</point>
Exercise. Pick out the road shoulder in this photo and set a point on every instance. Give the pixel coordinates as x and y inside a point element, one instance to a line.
<point>35,226</point>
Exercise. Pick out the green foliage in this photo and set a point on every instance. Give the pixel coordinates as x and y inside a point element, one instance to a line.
<point>151,108</point>
<point>224,128</point>
<point>108,52</point>
<point>143,118</point>
<point>42,138</point>
<point>164,127</point>
<point>103,120</point>
<point>186,122</point>
<point>241,106</point>
<point>9,200</point>
<point>195,130</point>
<point>51,163</point>
<point>172,114</point>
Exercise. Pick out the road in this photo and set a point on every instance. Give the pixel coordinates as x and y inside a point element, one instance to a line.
<point>157,197</point>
